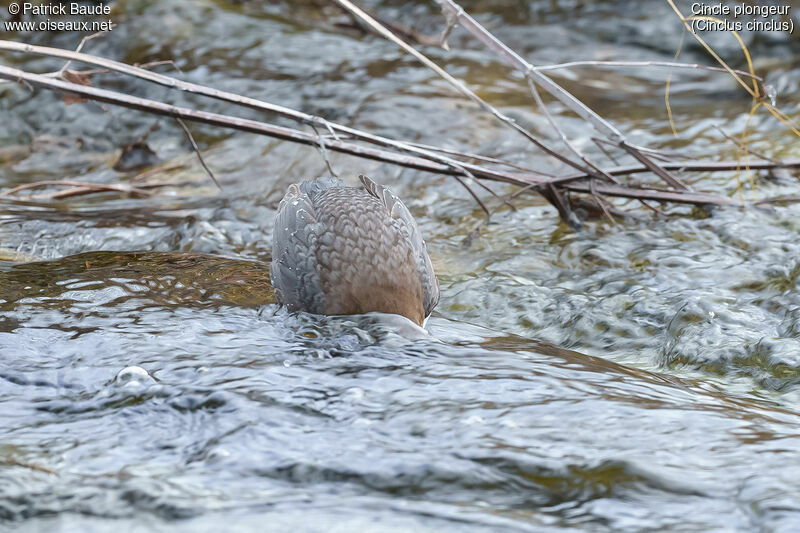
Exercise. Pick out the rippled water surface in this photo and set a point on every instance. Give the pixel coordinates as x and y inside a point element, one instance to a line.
<point>636,376</point>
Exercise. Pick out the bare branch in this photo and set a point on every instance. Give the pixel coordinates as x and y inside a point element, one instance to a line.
<point>548,186</point>
<point>458,84</point>
<point>474,196</point>
<point>667,64</point>
<point>324,152</point>
<point>743,146</point>
<point>197,151</point>
<point>81,184</point>
<point>86,39</point>
<point>530,72</point>
<point>244,101</point>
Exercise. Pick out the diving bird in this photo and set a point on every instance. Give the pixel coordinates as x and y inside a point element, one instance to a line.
<point>339,250</point>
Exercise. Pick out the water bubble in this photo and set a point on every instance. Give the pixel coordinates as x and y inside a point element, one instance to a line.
<point>133,376</point>
<point>771,93</point>
<point>217,455</point>
<point>354,394</point>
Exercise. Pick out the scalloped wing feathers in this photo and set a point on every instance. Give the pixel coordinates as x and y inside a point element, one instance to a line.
<point>331,243</point>
<point>294,273</point>
<point>400,213</point>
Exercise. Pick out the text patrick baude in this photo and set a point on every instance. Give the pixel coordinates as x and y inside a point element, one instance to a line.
<point>73,8</point>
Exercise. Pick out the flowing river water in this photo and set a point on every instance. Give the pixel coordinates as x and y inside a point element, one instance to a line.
<point>636,376</point>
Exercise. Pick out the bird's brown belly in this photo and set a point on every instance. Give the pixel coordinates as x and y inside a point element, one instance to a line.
<point>365,263</point>
<point>354,299</point>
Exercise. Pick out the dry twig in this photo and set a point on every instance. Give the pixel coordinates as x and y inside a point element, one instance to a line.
<point>530,71</point>
<point>197,151</point>
<point>350,140</point>
<point>518,178</point>
<point>79,187</point>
